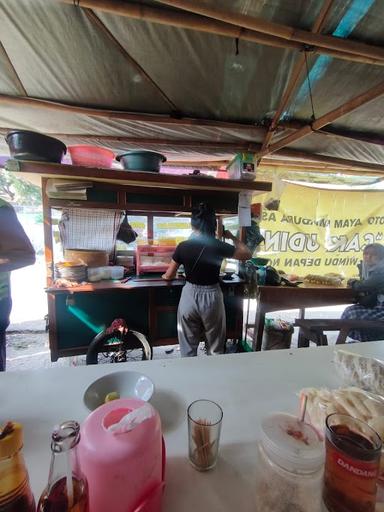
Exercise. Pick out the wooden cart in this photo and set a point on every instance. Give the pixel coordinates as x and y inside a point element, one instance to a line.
<point>149,306</point>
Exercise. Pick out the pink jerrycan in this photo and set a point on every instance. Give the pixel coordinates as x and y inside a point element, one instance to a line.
<point>122,454</point>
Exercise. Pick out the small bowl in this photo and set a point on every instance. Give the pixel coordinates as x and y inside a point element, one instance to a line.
<point>126,383</point>
<point>91,156</point>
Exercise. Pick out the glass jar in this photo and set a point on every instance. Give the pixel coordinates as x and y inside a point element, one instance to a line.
<point>15,491</point>
<point>290,468</point>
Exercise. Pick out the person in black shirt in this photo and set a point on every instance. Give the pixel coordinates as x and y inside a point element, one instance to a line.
<point>201,313</point>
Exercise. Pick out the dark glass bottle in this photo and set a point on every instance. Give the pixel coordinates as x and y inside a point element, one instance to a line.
<point>15,492</point>
<point>67,489</point>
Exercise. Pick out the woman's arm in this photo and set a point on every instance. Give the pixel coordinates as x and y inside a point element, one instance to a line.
<point>374,283</point>
<point>171,271</point>
<point>242,252</point>
<point>16,250</point>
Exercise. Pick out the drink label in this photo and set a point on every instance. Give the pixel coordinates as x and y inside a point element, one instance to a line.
<point>358,468</point>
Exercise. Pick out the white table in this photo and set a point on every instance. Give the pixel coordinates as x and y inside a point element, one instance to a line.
<point>248,387</point>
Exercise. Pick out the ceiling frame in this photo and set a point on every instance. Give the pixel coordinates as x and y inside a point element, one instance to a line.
<point>322,42</point>
<point>295,75</point>
<point>188,20</point>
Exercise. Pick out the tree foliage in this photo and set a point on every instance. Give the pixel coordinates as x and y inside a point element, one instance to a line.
<point>18,191</point>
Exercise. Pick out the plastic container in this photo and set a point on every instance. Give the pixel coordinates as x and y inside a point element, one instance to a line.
<point>153,258</point>
<point>101,273</point>
<point>242,167</point>
<point>357,370</point>
<point>148,161</point>
<point>91,156</point>
<point>125,471</point>
<point>28,145</point>
<point>290,466</point>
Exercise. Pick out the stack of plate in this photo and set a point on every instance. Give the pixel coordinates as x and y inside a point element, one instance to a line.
<point>71,270</point>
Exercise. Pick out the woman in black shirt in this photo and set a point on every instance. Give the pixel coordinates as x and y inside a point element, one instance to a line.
<point>201,313</point>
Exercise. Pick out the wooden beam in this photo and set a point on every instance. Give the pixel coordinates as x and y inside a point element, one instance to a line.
<point>329,117</point>
<point>95,20</point>
<point>324,42</point>
<point>13,70</point>
<point>56,106</point>
<point>295,155</point>
<point>182,20</point>
<point>295,75</point>
<point>286,165</point>
<point>370,138</point>
<point>208,25</point>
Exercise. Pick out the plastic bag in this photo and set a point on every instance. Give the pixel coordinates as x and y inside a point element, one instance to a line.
<point>126,232</point>
<point>349,400</point>
<point>357,370</point>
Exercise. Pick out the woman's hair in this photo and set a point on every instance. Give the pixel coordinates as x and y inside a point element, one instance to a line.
<point>204,219</point>
<point>378,249</point>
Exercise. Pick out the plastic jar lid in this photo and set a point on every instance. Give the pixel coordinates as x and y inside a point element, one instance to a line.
<point>292,444</point>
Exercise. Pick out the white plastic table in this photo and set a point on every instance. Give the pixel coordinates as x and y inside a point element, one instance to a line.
<point>247,386</point>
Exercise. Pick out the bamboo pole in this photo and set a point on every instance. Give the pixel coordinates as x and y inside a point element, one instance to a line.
<point>295,75</point>
<point>57,106</point>
<point>329,117</point>
<point>328,169</point>
<point>370,138</point>
<point>208,25</point>
<point>278,30</point>
<point>13,70</point>
<point>182,20</point>
<point>295,154</point>
<point>95,20</point>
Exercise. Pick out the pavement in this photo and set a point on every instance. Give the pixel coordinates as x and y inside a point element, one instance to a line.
<point>28,347</point>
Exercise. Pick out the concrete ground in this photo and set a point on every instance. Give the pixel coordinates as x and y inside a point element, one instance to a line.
<point>27,343</point>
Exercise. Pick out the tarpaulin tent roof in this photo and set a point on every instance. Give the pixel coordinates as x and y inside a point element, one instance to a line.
<point>200,80</point>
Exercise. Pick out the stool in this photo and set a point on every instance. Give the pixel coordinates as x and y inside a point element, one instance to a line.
<point>313,329</point>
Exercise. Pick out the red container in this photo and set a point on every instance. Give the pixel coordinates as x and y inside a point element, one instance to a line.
<point>91,156</point>
<point>153,258</point>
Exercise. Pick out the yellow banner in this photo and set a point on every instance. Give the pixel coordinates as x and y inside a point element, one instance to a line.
<point>320,231</point>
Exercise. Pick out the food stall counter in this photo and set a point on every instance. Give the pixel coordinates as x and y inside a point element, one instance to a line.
<point>148,305</point>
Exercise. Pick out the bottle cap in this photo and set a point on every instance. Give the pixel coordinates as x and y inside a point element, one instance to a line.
<point>11,439</point>
<point>292,444</point>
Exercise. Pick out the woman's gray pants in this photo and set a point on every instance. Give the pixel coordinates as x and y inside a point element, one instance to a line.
<point>201,317</point>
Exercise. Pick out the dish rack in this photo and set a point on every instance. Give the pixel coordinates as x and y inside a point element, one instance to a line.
<point>153,258</point>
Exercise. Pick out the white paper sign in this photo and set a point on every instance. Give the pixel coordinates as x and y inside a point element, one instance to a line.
<point>244,210</point>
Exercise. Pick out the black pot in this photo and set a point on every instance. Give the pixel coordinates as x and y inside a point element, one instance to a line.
<point>27,145</point>
<point>148,161</point>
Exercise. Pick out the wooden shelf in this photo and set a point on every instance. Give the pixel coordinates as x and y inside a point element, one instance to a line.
<point>139,179</point>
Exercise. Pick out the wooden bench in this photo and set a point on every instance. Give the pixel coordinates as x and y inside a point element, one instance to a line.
<point>313,329</point>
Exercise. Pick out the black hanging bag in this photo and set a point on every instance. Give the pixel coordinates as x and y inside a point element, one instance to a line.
<point>126,232</point>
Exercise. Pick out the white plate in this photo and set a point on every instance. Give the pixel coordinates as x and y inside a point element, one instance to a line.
<point>126,383</point>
